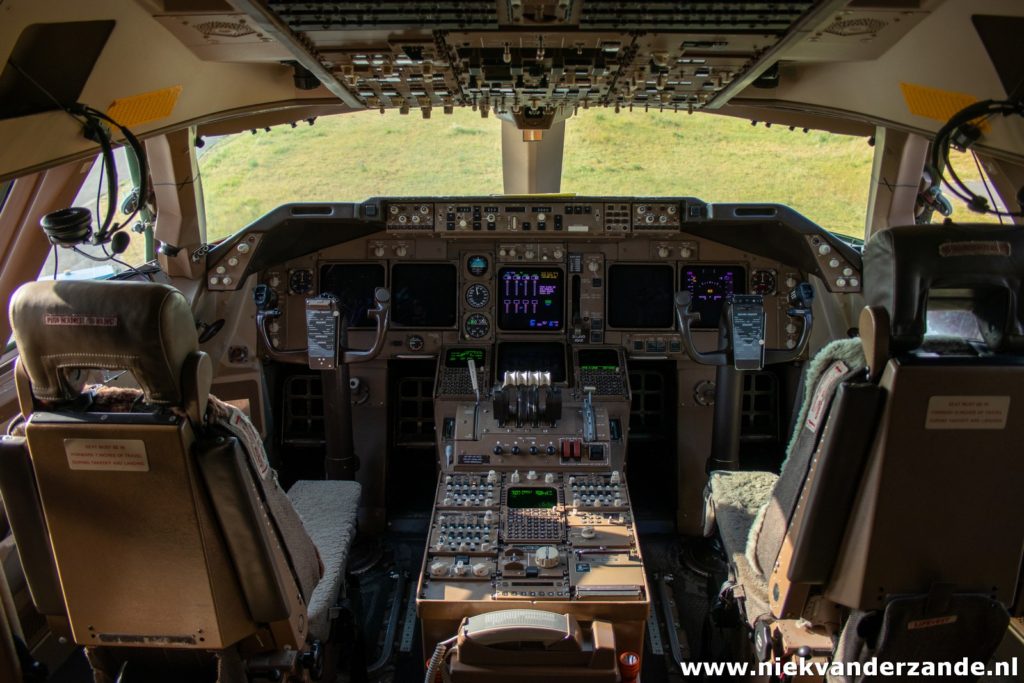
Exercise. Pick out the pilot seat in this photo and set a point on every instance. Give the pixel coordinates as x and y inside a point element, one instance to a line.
<point>151,526</point>
<point>881,536</point>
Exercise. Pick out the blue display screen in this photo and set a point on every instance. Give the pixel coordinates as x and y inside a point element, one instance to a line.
<point>531,299</point>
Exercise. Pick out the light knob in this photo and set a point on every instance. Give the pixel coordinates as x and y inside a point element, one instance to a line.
<point>833,263</point>
<point>402,250</point>
<point>549,478</point>
<point>790,328</point>
<point>221,270</point>
<point>663,252</point>
<point>438,568</point>
<point>847,271</point>
<point>529,253</point>
<point>512,253</point>
<point>824,249</point>
<point>790,282</point>
<point>546,557</point>
<point>617,502</point>
<point>514,478</point>
<point>502,252</point>
<point>378,251</point>
<point>616,477</point>
<point>488,502</point>
<point>531,475</point>
<point>840,282</point>
<point>214,281</point>
<point>462,223</point>
<point>593,266</point>
<point>481,569</point>
<point>541,217</point>
<point>588,532</point>
<point>576,502</point>
<point>685,252</point>
<point>489,516</point>
<point>492,477</point>
<point>558,253</point>
<point>460,568</point>
<point>243,247</point>
<point>232,261</point>
<point>854,282</point>
<point>227,280</point>
<point>275,282</point>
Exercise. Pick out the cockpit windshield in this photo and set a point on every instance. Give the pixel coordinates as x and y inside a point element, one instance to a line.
<point>718,159</point>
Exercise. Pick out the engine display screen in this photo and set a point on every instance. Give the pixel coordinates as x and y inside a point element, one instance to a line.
<point>531,299</point>
<point>424,294</point>
<point>353,284</point>
<point>520,497</point>
<point>459,358</point>
<point>641,296</point>
<point>711,287</point>
<point>538,356</point>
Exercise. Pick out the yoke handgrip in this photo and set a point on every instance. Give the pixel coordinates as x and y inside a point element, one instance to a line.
<point>382,313</point>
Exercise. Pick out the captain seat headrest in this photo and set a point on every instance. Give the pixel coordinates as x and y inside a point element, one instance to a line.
<point>143,327</point>
<point>902,264</point>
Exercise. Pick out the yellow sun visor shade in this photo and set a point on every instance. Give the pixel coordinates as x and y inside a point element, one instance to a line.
<point>144,107</point>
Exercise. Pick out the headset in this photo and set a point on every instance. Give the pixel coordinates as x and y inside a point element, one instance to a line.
<point>961,131</point>
<point>73,226</point>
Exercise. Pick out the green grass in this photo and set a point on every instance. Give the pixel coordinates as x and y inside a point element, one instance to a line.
<point>719,159</point>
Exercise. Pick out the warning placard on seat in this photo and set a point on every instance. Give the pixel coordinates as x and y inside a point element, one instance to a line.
<point>967,412</point>
<point>116,455</point>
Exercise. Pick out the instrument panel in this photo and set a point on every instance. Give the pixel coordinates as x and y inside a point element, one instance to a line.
<point>581,270</point>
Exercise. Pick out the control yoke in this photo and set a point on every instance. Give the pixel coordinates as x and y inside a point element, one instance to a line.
<point>381,312</point>
<point>743,328</point>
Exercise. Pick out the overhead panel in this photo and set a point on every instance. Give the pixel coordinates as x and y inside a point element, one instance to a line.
<point>537,61</point>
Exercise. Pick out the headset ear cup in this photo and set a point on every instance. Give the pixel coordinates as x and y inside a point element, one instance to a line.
<point>67,227</point>
<point>119,242</point>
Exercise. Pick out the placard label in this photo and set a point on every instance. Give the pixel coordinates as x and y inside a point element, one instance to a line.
<point>115,455</point>
<point>967,412</point>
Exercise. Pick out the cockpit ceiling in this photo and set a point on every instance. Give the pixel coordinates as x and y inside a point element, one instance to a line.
<point>533,62</point>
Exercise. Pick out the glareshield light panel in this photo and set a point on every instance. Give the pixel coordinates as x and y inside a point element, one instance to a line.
<point>531,299</point>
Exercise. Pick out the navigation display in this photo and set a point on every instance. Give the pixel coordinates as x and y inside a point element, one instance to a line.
<point>424,294</point>
<point>641,296</point>
<point>353,285</point>
<point>459,358</point>
<point>531,299</point>
<point>711,286</point>
<point>539,356</point>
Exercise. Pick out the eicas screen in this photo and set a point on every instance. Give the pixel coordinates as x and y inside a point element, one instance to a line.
<point>711,287</point>
<point>531,299</point>
<point>424,294</point>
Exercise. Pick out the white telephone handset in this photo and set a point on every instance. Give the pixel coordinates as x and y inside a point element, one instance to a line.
<point>517,626</point>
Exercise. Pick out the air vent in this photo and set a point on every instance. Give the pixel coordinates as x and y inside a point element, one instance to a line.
<point>862,26</point>
<point>755,211</point>
<point>316,210</point>
<point>224,29</point>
